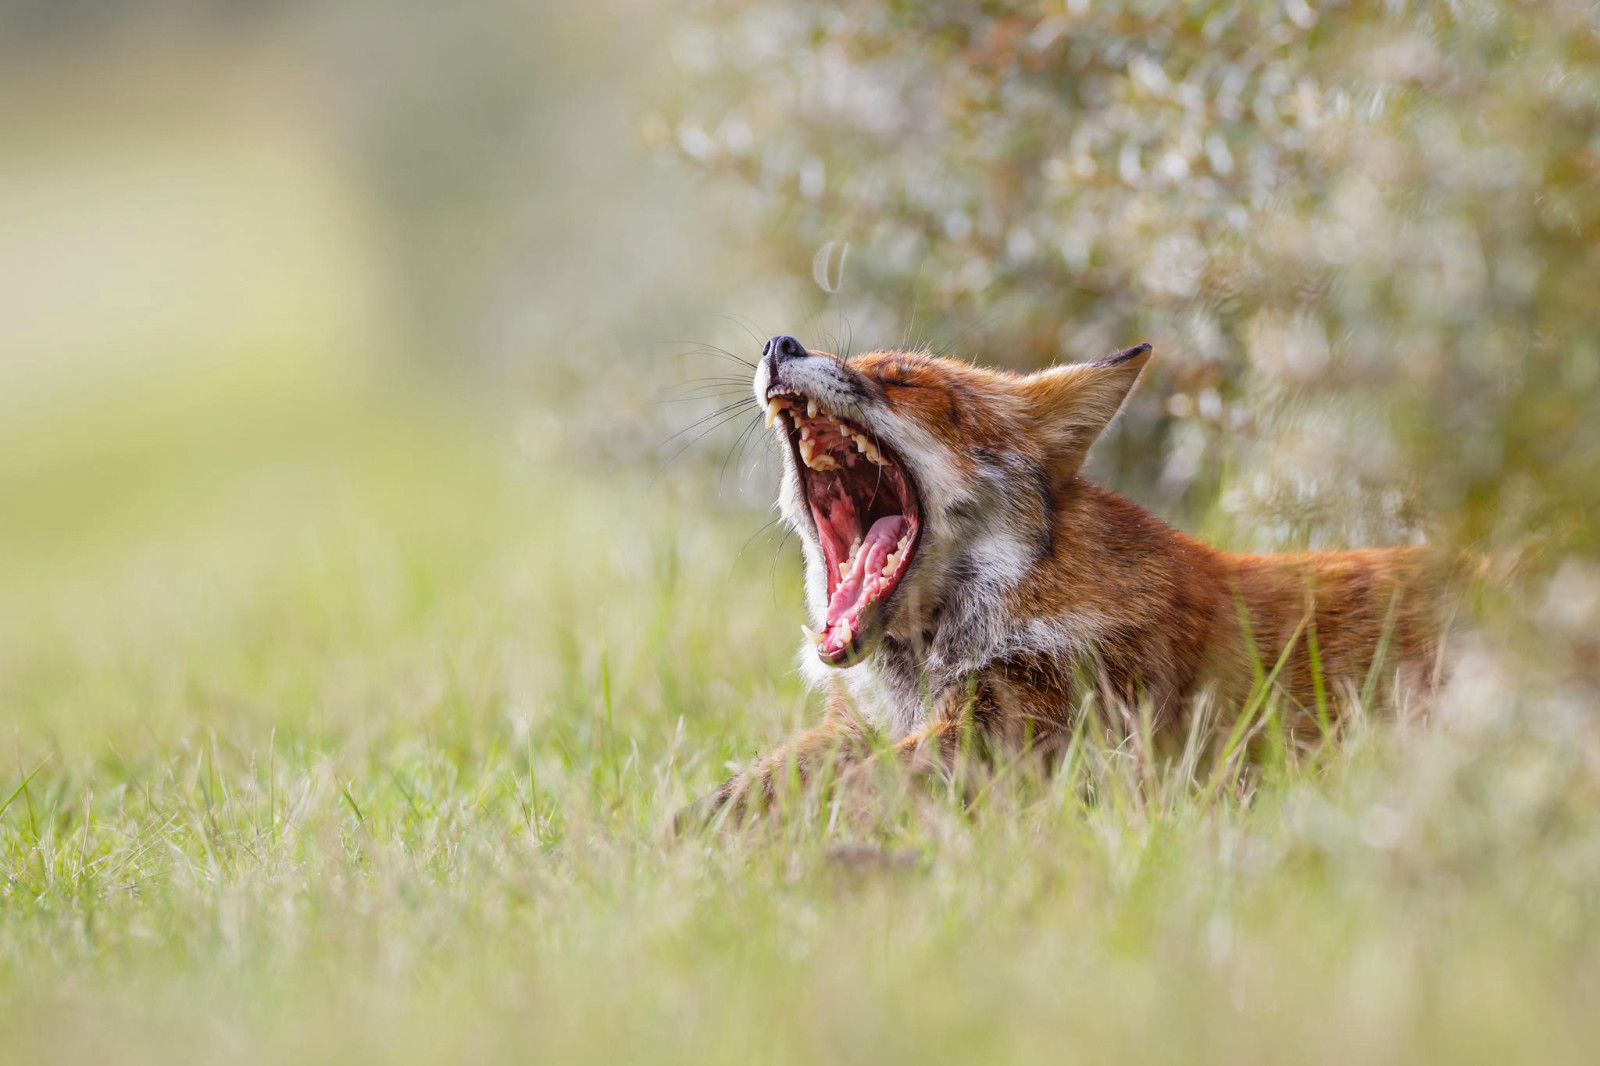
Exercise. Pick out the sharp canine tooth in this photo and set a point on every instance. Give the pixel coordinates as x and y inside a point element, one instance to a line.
<point>849,634</point>
<point>811,408</point>
<point>812,635</point>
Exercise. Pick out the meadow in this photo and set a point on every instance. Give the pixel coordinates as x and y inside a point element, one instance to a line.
<point>374,757</point>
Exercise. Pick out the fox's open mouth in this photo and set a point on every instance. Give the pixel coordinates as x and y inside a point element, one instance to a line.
<point>868,522</point>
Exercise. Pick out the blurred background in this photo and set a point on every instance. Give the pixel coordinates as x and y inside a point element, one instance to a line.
<point>233,228</point>
<point>243,242</point>
<point>296,301</point>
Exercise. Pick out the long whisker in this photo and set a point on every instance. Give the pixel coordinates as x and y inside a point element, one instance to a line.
<point>733,382</point>
<point>738,444</point>
<point>702,348</point>
<point>746,325</point>
<point>721,393</point>
<point>983,320</point>
<point>814,324</point>
<point>787,533</point>
<point>768,524</point>
<point>695,440</point>
<point>721,379</point>
<point>766,437</point>
<point>735,406</point>
<point>756,455</point>
<point>689,390</point>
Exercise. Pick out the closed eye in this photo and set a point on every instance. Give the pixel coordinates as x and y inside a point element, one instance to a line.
<point>928,402</point>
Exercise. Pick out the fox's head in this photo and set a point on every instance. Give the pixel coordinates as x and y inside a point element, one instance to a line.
<point>920,484</point>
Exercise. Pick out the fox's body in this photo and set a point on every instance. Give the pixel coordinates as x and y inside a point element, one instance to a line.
<point>1125,603</point>
<point>1016,589</point>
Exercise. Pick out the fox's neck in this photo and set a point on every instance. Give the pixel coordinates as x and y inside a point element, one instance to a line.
<point>1106,570</point>
<point>1103,565</point>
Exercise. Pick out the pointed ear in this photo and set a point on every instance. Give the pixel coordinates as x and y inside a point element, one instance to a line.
<point>1073,404</point>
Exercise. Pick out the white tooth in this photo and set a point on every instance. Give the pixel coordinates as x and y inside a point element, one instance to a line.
<point>890,563</point>
<point>849,634</point>
<point>812,635</point>
<point>805,432</point>
<point>811,408</point>
<point>773,407</point>
<point>806,449</point>
<point>873,454</point>
<point>824,462</point>
<point>844,569</point>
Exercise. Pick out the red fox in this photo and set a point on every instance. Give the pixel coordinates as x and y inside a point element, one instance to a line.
<point>961,575</point>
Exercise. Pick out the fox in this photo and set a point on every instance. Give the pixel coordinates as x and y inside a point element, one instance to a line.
<point>964,580</point>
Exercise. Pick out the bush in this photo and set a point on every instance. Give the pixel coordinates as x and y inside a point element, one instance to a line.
<point>1365,238</point>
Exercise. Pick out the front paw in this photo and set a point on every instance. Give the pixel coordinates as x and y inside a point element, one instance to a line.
<point>707,808</point>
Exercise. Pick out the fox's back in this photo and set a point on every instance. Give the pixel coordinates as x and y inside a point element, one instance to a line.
<point>1160,616</point>
<point>1350,618</point>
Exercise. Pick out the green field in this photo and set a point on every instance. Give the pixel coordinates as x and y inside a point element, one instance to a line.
<point>373,756</point>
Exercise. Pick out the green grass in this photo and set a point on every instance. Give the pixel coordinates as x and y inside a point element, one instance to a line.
<point>370,752</point>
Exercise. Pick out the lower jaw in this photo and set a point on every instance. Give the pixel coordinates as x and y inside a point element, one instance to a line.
<point>863,644</point>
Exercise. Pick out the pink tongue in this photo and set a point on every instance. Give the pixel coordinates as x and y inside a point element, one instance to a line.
<point>880,541</point>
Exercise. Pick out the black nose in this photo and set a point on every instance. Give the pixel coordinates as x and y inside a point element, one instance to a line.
<point>780,349</point>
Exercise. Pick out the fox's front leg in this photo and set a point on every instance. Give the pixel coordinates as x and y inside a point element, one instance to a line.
<point>965,718</point>
<point>841,740</point>
<point>993,715</point>
<point>976,716</point>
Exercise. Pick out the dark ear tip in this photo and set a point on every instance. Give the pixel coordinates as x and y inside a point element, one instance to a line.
<point>1124,356</point>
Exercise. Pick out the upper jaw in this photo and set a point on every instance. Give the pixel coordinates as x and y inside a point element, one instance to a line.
<point>773,398</point>
<point>780,400</point>
<point>821,379</point>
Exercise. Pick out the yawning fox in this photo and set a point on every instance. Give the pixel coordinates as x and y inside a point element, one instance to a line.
<point>961,575</point>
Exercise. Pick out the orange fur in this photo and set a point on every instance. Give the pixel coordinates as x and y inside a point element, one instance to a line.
<point>1032,588</point>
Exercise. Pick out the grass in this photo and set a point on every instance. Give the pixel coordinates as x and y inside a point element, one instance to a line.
<point>371,754</point>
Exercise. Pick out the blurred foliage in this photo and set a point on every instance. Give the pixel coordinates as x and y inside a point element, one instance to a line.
<point>1364,237</point>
